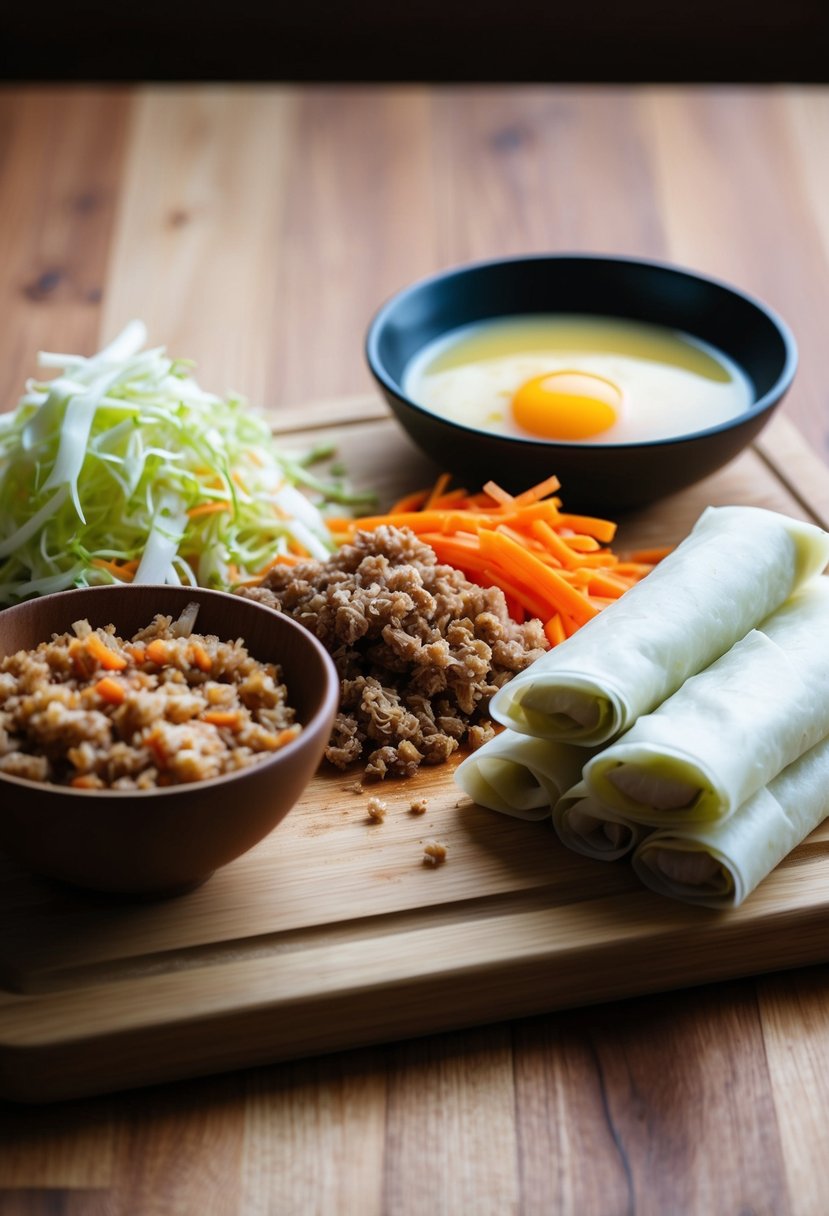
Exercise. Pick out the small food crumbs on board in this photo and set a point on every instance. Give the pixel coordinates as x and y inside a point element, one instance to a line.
<point>419,806</point>
<point>376,809</point>
<point>356,788</point>
<point>434,853</point>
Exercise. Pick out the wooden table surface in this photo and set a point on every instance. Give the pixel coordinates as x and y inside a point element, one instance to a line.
<point>256,230</point>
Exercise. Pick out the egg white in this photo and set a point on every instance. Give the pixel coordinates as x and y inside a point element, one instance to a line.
<point>660,400</point>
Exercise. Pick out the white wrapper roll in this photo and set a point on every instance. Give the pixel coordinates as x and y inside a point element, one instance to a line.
<point>587,827</point>
<point>737,565</point>
<point>729,730</point>
<point>718,865</point>
<point>520,776</point>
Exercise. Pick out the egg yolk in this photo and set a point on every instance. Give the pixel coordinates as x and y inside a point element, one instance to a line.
<point>567,405</point>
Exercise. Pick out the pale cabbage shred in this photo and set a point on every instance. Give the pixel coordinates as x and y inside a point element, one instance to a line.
<point>104,462</point>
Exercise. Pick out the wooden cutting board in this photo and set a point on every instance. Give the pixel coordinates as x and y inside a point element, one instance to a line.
<point>333,933</point>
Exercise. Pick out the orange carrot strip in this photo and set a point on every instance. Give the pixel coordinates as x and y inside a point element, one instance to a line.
<point>635,570</point>
<point>539,575</point>
<point>104,655</point>
<point>498,495</point>
<point>286,735</point>
<point>604,584</point>
<point>155,742</point>
<point>542,490</point>
<point>409,502</point>
<point>463,557</point>
<point>650,557</point>
<point>536,604</point>
<point>437,489</point>
<point>222,717</point>
<point>125,571</point>
<point>281,559</point>
<point>568,624</point>
<point>553,542</point>
<point>201,658</point>
<point>208,508</point>
<point>581,544</point>
<point>516,611</point>
<point>554,630</point>
<point>110,690</point>
<point>158,652</point>
<point>588,525</point>
<point>455,498</point>
<point>87,781</point>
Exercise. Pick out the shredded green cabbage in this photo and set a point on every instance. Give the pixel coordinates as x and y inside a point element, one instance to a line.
<point>123,469</point>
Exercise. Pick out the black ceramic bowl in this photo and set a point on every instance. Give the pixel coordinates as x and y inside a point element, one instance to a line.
<point>592,474</point>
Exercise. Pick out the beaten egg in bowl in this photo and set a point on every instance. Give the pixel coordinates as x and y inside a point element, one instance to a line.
<point>577,379</point>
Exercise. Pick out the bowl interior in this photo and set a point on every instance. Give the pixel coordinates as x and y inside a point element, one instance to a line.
<point>166,840</point>
<point>740,326</point>
<point>268,636</point>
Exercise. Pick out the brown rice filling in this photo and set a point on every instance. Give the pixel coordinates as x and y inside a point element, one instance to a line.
<point>169,706</point>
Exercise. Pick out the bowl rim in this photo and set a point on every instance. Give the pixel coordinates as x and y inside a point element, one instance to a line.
<point>766,402</point>
<point>330,696</point>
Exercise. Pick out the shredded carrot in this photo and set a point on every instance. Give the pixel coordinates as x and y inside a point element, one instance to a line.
<point>208,508</point>
<point>200,657</point>
<point>498,495</point>
<point>409,502</point>
<point>437,489</point>
<point>124,571</point>
<point>102,654</point>
<point>555,565</point>
<point>535,493</point>
<point>608,585</point>
<point>158,652</point>
<point>110,690</point>
<point>554,630</point>
<point>222,717</point>
<point>586,525</point>
<point>155,742</point>
<point>286,735</point>
<point>650,557</point>
<point>86,781</point>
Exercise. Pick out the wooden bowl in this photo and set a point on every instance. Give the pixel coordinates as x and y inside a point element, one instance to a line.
<point>164,841</point>
<point>594,476</point>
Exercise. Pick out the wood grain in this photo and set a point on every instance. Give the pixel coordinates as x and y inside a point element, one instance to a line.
<point>339,197</point>
<point>332,932</point>
<point>61,154</point>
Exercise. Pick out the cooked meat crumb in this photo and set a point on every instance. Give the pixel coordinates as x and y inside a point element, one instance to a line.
<point>419,806</point>
<point>419,649</point>
<point>376,810</point>
<point>434,853</point>
<point>94,711</point>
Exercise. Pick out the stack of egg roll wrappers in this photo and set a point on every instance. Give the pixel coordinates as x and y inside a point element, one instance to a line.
<point>694,711</point>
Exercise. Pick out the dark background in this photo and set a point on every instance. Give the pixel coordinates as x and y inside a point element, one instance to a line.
<point>430,40</point>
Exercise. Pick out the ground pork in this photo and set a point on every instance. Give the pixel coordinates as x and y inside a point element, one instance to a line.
<point>419,649</point>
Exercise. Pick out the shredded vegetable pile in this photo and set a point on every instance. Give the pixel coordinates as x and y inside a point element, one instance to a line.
<point>122,469</point>
<point>550,564</point>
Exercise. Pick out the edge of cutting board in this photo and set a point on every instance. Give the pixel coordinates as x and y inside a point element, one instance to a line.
<point>522,952</point>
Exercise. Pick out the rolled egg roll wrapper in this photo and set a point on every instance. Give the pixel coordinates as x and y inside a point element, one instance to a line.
<point>739,852</point>
<point>520,776</point>
<point>729,730</point>
<point>737,565</point>
<point>587,827</point>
